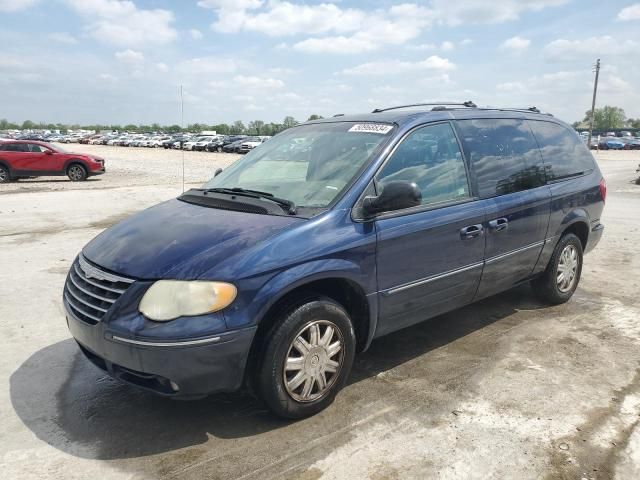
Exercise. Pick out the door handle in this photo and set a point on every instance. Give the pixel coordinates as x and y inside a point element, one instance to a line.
<point>498,224</point>
<point>472,231</point>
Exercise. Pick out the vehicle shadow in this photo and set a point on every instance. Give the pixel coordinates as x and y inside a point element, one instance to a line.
<point>71,405</point>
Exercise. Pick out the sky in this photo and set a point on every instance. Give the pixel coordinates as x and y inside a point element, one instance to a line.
<point>123,61</point>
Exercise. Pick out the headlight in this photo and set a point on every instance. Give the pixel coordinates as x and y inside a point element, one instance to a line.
<point>169,299</point>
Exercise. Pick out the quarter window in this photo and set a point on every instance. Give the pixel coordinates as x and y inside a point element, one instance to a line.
<point>563,152</point>
<point>37,148</point>
<point>431,158</point>
<point>503,154</point>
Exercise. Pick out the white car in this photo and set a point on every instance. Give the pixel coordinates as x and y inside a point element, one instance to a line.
<point>202,143</point>
<point>157,141</point>
<point>189,145</point>
<point>251,143</point>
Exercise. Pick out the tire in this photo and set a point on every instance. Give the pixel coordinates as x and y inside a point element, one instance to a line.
<point>76,172</point>
<point>553,287</point>
<point>5,176</point>
<point>219,149</point>
<point>298,392</point>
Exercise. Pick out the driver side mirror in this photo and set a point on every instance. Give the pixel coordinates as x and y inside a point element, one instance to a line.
<point>217,172</point>
<point>48,152</point>
<point>396,195</point>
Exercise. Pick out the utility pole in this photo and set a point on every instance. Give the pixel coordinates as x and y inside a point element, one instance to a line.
<point>593,102</point>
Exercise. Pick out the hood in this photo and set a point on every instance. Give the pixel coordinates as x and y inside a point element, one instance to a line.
<point>179,240</point>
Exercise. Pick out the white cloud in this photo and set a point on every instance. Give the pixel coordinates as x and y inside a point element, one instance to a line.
<point>129,56</point>
<point>259,82</point>
<point>516,43</point>
<point>482,11</point>
<point>394,67</point>
<point>332,29</point>
<point>63,37</point>
<point>447,46</point>
<point>465,42</point>
<point>195,34</point>
<point>163,67</point>
<point>16,5</point>
<point>423,47</point>
<point>208,65</point>
<point>122,23</point>
<point>632,12</point>
<point>562,49</point>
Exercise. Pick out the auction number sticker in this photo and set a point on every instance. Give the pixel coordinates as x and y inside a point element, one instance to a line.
<point>371,128</point>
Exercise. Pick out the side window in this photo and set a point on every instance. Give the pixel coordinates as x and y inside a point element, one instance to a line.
<point>36,148</point>
<point>504,155</point>
<point>430,157</point>
<point>564,154</point>
<point>17,147</point>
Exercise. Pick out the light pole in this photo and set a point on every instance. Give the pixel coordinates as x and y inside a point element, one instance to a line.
<point>593,102</point>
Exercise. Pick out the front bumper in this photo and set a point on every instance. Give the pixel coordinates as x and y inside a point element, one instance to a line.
<point>189,368</point>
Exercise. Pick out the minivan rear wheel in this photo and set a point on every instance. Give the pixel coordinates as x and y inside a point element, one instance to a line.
<point>307,358</point>
<point>562,275</point>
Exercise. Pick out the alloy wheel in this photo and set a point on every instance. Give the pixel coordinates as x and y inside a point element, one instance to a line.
<point>313,361</point>
<point>76,173</point>
<point>567,268</point>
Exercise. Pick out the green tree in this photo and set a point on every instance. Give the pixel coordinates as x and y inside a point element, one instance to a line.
<point>607,118</point>
<point>237,128</point>
<point>256,127</point>
<point>28,125</point>
<point>289,122</point>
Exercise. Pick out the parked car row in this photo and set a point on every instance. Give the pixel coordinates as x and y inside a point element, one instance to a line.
<point>615,143</point>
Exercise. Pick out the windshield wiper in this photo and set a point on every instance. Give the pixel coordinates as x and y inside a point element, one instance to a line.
<point>287,205</point>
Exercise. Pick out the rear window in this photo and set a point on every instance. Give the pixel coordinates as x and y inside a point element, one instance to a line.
<point>503,154</point>
<point>563,152</point>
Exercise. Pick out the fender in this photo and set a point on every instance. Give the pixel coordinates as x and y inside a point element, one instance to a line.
<point>283,283</point>
<point>81,161</point>
<point>575,216</point>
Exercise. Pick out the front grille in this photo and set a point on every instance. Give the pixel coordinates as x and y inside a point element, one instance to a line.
<point>90,291</point>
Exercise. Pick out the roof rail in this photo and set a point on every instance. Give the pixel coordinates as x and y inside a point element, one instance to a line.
<point>526,109</point>
<point>468,104</point>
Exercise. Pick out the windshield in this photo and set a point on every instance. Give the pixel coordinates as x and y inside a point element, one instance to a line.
<point>57,148</point>
<point>309,165</point>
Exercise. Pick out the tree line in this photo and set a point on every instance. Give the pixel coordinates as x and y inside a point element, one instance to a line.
<point>255,127</point>
<point>607,118</point>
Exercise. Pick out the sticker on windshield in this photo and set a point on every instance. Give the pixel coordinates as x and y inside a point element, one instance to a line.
<point>371,128</point>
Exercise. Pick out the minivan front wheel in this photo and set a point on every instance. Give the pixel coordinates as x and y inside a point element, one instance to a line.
<point>307,358</point>
<point>560,279</point>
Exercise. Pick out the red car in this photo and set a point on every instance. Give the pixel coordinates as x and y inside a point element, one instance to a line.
<point>28,158</point>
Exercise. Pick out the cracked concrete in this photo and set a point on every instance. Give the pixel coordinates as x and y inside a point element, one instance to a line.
<point>507,388</point>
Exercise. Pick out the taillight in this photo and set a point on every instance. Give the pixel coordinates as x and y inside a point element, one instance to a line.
<point>603,189</point>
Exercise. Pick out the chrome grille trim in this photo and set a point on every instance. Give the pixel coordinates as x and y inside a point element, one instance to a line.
<point>87,292</point>
<point>75,307</point>
<point>93,272</point>
<point>114,290</point>
<point>76,297</point>
<point>90,291</point>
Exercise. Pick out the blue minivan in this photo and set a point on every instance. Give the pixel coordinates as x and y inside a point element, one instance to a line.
<point>331,234</point>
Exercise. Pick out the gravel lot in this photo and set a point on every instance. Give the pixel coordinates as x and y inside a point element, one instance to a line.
<point>507,388</point>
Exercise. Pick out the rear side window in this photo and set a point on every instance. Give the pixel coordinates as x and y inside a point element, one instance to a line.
<point>430,157</point>
<point>504,155</point>
<point>16,147</point>
<point>564,154</point>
